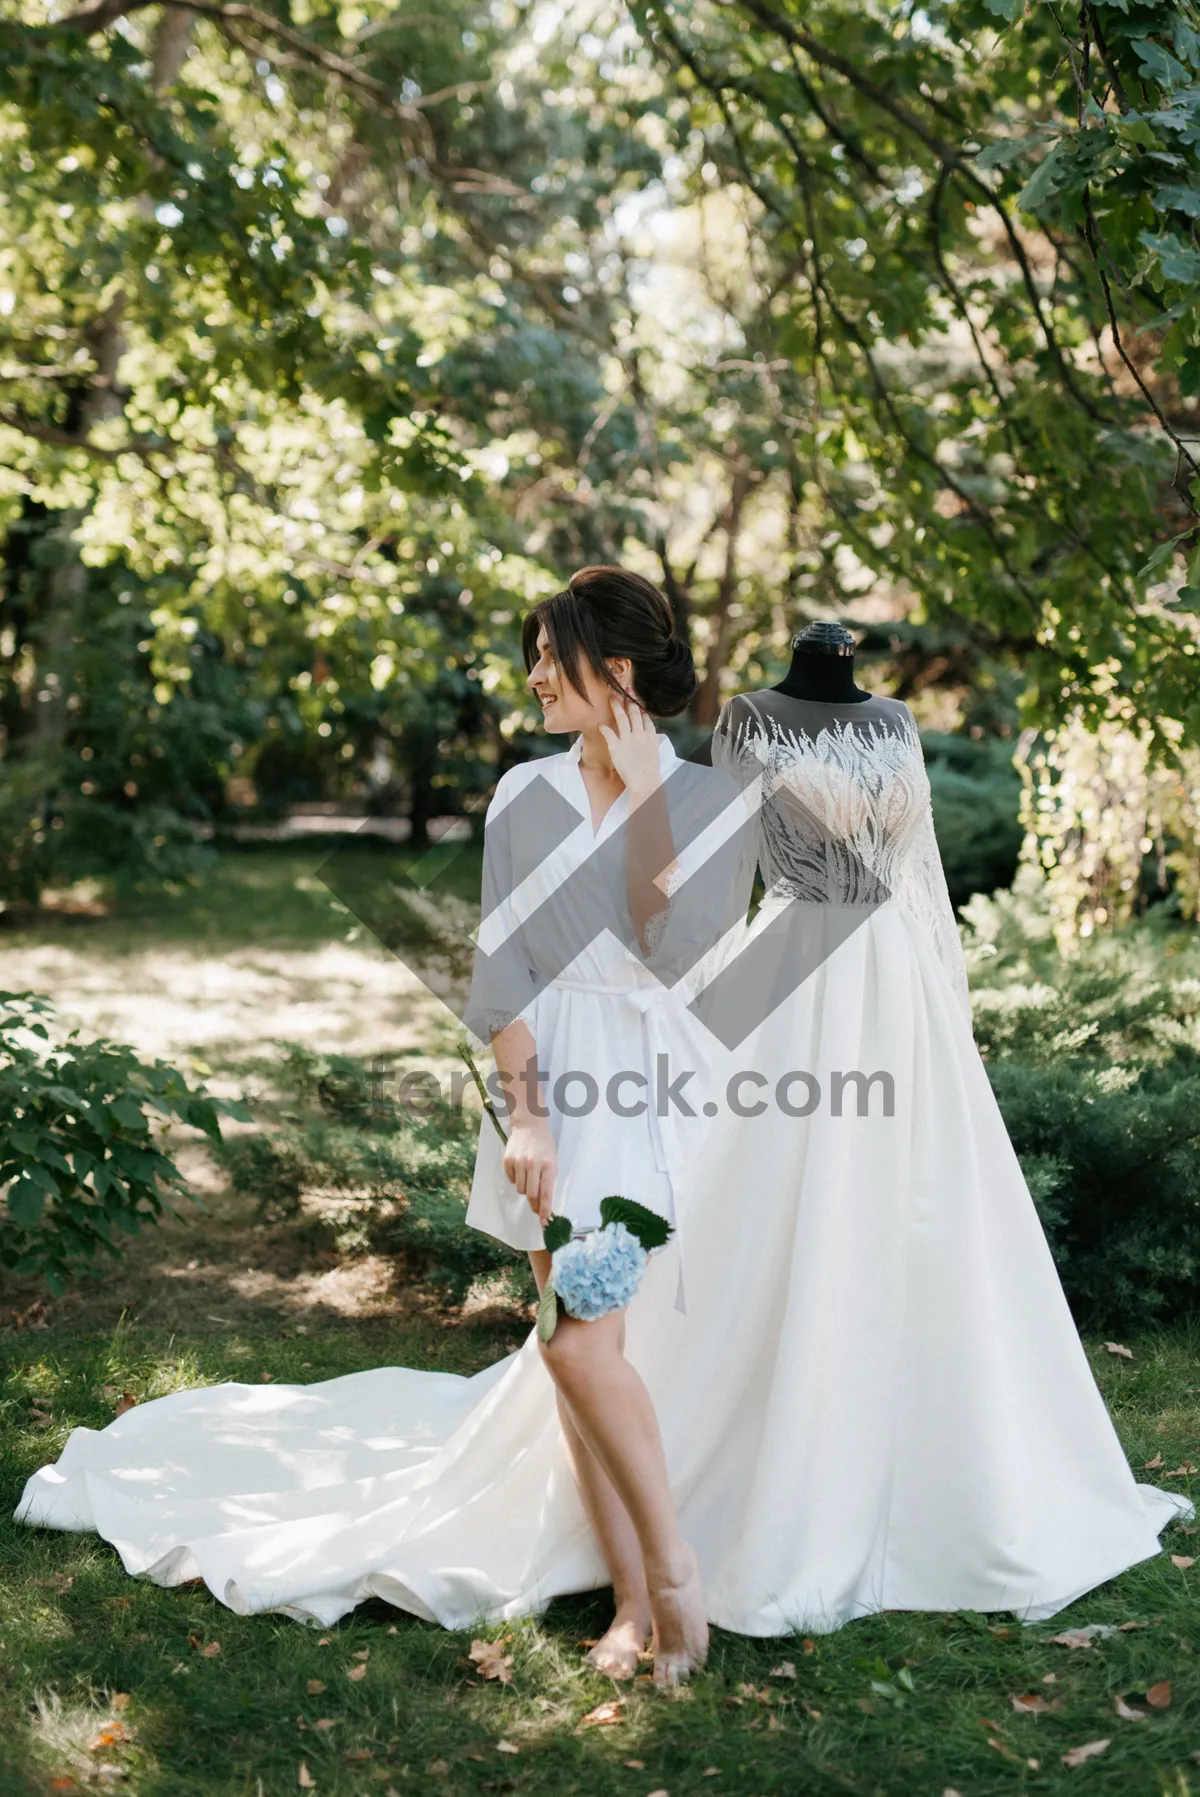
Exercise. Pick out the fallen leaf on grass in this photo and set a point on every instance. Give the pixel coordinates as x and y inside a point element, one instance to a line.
<point>1159,1696</point>
<point>363,1653</point>
<point>210,1651</point>
<point>1083,1637</point>
<point>325,1641</point>
<point>1183,1561</point>
<point>1116,1348</point>
<point>1126,1712</point>
<point>813,1715</point>
<point>1152,1466</point>
<point>1002,1749</point>
<point>121,1700</point>
<point>605,1715</point>
<point>808,1646</point>
<point>359,1753</point>
<point>113,1734</point>
<point>314,1687</point>
<point>357,1672</point>
<point>1088,1751</point>
<point>491,1661</point>
<point>1032,1703</point>
<point>326,1722</point>
<point>58,1581</point>
<point>1181,1472</point>
<point>640,1766</point>
<point>305,1779</point>
<point>125,1402</point>
<point>65,1783</point>
<point>438,1768</point>
<point>1124,1627</point>
<point>785,1669</point>
<point>506,1747</point>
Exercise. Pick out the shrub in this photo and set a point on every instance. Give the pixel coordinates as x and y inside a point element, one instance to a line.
<point>76,1152</point>
<point>1095,1062</point>
<point>976,795</point>
<point>404,1178</point>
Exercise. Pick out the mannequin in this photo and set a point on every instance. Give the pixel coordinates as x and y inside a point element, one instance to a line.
<point>822,666</point>
<point>822,670</point>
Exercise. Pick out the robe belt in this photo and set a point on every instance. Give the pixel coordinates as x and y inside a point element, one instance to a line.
<point>648,1002</point>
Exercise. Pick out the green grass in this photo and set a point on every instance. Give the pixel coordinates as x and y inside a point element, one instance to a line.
<point>898,1704</point>
<point>259,895</point>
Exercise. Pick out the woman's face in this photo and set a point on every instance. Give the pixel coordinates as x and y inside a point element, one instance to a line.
<point>564,709</point>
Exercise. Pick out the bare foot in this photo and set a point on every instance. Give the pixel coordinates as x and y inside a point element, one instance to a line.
<point>621,1646</point>
<point>680,1628</point>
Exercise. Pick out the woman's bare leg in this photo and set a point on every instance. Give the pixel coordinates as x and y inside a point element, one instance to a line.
<point>615,1419</point>
<point>619,1648</point>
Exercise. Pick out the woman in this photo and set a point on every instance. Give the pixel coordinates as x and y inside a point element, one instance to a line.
<point>600,655</point>
<point>469,1499</point>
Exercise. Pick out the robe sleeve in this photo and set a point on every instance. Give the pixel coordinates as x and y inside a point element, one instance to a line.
<point>504,981</point>
<point>713,834</point>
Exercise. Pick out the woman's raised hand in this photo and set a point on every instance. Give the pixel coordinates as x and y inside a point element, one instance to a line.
<point>633,747</point>
<point>531,1162</point>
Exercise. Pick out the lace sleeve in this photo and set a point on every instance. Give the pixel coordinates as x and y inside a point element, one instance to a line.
<point>924,891</point>
<point>504,978</point>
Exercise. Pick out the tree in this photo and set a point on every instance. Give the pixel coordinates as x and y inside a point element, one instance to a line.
<point>997,376</point>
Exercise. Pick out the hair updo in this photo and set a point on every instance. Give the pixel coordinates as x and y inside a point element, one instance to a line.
<point>607,613</point>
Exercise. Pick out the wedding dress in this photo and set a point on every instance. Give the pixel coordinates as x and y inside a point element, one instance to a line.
<point>875,1398</point>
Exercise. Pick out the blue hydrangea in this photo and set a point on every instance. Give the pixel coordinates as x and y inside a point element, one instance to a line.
<point>599,1272</point>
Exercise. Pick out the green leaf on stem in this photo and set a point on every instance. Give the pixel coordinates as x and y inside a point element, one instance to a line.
<point>651,1230</point>
<point>557,1233</point>
<point>547,1312</point>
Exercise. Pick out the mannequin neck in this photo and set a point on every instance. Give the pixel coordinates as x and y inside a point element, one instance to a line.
<point>826,678</point>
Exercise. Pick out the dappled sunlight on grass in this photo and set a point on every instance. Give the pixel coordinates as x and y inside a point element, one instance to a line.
<point>223,1700</point>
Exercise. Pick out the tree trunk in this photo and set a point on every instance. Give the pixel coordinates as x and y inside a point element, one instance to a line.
<point>708,699</point>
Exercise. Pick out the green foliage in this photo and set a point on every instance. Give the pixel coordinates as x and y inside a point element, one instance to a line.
<point>976,796</point>
<point>1095,1062</point>
<point>949,403</point>
<point>556,1234</point>
<point>76,1150</point>
<point>397,1176</point>
<point>651,1230</point>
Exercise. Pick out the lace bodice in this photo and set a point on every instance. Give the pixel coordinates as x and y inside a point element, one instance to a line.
<point>843,808</point>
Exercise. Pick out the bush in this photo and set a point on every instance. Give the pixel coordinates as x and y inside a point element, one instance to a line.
<point>404,1178</point>
<point>976,796</point>
<point>76,1152</point>
<point>1095,1062</point>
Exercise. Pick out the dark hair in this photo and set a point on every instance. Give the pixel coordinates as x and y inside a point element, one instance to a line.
<point>610,613</point>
